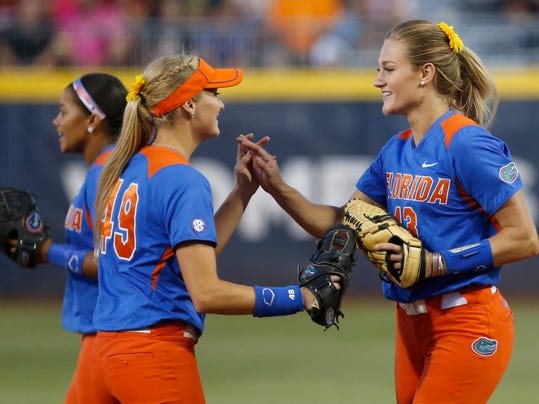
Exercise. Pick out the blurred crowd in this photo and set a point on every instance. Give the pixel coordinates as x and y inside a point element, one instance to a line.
<point>246,32</point>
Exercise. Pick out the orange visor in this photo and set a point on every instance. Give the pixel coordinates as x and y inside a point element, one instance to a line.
<point>203,77</point>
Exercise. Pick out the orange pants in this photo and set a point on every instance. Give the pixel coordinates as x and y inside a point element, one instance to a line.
<point>79,390</point>
<point>156,366</point>
<point>453,355</point>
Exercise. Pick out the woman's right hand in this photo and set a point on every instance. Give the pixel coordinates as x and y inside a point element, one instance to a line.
<point>264,164</point>
<point>40,253</point>
<point>246,179</point>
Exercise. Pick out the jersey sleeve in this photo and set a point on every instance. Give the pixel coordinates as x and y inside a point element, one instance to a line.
<point>187,205</point>
<point>489,175</point>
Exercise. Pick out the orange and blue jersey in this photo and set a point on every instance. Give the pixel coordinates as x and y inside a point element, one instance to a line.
<point>159,201</point>
<point>80,293</point>
<point>446,191</point>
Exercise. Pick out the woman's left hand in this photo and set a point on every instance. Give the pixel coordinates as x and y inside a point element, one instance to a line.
<point>394,251</point>
<point>245,178</point>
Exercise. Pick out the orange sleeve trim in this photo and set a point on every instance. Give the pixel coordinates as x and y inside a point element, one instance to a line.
<point>160,157</point>
<point>476,206</point>
<point>159,267</point>
<point>453,124</point>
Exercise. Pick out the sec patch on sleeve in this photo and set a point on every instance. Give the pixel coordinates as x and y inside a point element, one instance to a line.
<point>198,225</point>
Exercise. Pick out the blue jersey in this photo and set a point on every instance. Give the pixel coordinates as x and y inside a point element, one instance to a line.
<point>81,291</point>
<point>446,191</point>
<point>159,202</point>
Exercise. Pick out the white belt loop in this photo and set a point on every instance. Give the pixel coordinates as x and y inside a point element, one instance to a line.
<point>191,332</point>
<point>414,308</point>
<point>452,299</point>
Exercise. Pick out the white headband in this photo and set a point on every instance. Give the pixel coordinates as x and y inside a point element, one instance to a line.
<point>87,100</point>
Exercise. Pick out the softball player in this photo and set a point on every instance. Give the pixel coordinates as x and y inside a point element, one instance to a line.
<point>88,122</point>
<point>455,186</point>
<point>157,262</point>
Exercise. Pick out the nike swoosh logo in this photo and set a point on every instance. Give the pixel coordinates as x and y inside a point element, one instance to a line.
<point>427,165</point>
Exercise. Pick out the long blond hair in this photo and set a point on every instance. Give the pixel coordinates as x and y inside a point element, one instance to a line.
<point>160,78</point>
<point>462,77</point>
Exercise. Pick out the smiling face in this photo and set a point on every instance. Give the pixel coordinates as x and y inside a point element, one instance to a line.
<point>71,123</point>
<point>398,80</point>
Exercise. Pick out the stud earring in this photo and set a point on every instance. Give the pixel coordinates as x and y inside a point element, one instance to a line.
<point>193,114</point>
<point>90,130</point>
<point>422,83</point>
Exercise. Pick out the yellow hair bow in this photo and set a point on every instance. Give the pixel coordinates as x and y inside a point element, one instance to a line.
<point>135,88</point>
<point>455,43</point>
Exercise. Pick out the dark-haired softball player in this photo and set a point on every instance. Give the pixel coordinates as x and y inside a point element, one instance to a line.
<point>88,122</point>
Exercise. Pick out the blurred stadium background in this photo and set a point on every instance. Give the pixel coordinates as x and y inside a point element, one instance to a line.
<point>309,67</point>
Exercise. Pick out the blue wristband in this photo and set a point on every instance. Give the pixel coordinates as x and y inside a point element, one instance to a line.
<point>67,257</point>
<point>280,301</point>
<point>473,257</point>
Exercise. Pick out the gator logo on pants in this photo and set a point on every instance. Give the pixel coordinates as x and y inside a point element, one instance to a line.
<point>484,346</point>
